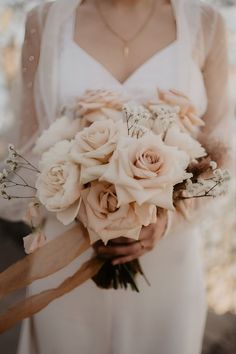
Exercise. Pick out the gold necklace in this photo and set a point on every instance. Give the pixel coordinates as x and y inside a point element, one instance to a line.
<point>126,42</point>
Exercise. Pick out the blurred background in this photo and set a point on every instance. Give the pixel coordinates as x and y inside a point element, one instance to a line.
<point>219,242</point>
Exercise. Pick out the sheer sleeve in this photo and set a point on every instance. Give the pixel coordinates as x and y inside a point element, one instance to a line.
<point>211,54</point>
<point>26,122</point>
<point>29,62</point>
<point>217,133</point>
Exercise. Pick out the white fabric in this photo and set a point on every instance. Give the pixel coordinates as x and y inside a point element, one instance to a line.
<point>168,317</point>
<point>201,35</point>
<point>188,16</point>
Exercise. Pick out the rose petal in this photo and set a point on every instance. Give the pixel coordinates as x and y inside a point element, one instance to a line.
<point>69,215</point>
<point>155,188</point>
<point>34,241</point>
<point>147,213</point>
<point>63,128</point>
<point>184,142</point>
<point>104,222</point>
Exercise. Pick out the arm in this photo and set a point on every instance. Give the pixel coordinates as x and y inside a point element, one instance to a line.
<point>217,134</point>
<point>25,110</point>
<point>219,115</point>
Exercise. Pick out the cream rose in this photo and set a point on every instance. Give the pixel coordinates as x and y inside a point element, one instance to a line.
<point>105,220</point>
<point>188,120</point>
<point>184,142</point>
<point>96,105</point>
<point>63,128</point>
<point>58,187</point>
<point>94,146</point>
<point>146,170</point>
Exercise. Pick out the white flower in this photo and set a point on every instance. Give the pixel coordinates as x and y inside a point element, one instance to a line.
<point>134,112</point>
<point>137,119</point>
<point>12,152</point>
<point>58,187</point>
<point>188,119</point>
<point>221,175</point>
<point>97,105</point>
<point>94,146</point>
<point>5,173</point>
<point>213,165</point>
<point>214,187</point>
<point>146,170</point>
<point>163,117</point>
<point>63,128</point>
<point>184,142</point>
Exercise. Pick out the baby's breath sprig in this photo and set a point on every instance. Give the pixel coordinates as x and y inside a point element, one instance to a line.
<point>215,186</point>
<point>17,160</point>
<point>164,115</point>
<point>136,118</point>
<point>11,178</point>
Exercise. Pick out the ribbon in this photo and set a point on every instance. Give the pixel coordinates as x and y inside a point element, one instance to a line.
<point>35,303</point>
<point>47,260</point>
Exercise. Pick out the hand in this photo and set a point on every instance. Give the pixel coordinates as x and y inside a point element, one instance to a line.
<point>125,250</point>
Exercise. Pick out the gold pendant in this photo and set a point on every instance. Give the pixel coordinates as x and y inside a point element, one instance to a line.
<point>126,51</point>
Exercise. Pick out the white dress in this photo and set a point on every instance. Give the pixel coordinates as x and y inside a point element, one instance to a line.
<point>169,316</point>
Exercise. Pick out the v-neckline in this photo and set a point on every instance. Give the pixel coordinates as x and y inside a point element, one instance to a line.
<point>140,67</point>
<point>135,72</point>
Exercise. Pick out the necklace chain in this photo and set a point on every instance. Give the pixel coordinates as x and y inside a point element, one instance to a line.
<point>126,42</point>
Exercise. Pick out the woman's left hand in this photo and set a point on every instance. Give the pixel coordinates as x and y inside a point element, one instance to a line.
<point>125,250</point>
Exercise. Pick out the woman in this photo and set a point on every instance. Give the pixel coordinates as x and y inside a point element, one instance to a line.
<point>132,46</point>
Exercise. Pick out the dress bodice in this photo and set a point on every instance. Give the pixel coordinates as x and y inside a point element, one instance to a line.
<point>79,71</point>
<point>121,321</point>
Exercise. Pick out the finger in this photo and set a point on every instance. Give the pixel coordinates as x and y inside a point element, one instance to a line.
<point>126,259</point>
<point>119,250</point>
<point>145,234</point>
<point>97,244</point>
<point>122,240</point>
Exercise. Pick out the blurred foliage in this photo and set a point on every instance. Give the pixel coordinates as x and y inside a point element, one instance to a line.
<point>219,236</point>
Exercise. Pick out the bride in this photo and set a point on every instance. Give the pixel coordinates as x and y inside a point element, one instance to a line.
<point>131,46</point>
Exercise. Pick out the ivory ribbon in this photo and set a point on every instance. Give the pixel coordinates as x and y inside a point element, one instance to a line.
<point>47,260</point>
<point>35,303</point>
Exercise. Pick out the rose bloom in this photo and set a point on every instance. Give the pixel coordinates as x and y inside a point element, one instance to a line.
<point>188,118</point>
<point>105,220</point>
<point>63,128</point>
<point>184,142</point>
<point>96,105</point>
<point>58,187</point>
<point>94,146</point>
<point>146,170</point>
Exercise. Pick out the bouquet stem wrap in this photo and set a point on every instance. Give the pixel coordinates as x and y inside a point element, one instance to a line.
<point>47,260</point>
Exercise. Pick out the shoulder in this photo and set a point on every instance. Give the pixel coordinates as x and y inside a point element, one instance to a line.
<point>208,14</point>
<point>211,28</point>
<point>211,17</point>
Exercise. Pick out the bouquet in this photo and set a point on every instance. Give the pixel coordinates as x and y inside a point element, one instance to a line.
<point>113,165</point>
